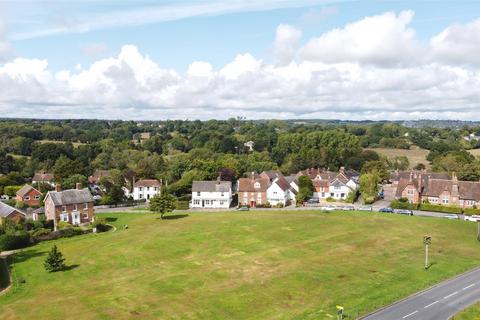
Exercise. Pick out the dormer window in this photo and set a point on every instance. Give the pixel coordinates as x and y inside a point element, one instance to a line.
<point>257,185</point>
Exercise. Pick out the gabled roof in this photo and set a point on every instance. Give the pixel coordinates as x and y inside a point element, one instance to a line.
<point>147,183</point>
<point>43,176</point>
<point>211,186</point>
<point>248,184</point>
<point>97,175</point>
<point>292,178</point>
<point>25,190</point>
<point>272,174</point>
<point>71,196</point>
<point>282,183</point>
<point>6,210</point>
<point>467,190</point>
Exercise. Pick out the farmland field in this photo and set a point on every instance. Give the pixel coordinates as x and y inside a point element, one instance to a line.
<point>239,265</point>
<point>415,156</point>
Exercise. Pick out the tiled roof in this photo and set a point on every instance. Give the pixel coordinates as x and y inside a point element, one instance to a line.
<point>72,196</point>
<point>248,185</point>
<point>6,210</point>
<point>147,183</point>
<point>467,190</point>
<point>97,175</point>
<point>43,176</point>
<point>282,183</point>
<point>25,189</point>
<point>211,186</point>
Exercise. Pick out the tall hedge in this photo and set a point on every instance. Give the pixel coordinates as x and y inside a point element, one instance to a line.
<point>471,211</point>
<point>397,204</point>
<point>18,240</point>
<point>440,208</point>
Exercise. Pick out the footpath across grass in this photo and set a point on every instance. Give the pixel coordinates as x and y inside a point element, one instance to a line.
<point>239,265</point>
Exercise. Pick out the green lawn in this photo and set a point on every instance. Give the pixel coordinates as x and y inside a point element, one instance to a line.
<point>239,265</point>
<point>472,313</point>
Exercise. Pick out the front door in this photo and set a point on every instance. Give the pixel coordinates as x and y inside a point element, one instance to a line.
<point>252,204</point>
<point>75,218</point>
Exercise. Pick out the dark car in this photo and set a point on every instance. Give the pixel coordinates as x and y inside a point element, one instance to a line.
<point>386,210</point>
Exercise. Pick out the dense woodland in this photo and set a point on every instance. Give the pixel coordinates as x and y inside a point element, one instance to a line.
<point>181,151</point>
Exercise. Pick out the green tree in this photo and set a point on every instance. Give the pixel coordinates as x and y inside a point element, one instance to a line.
<point>305,189</point>
<point>369,183</point>
<point>55,260</point>
<point>163,203</point>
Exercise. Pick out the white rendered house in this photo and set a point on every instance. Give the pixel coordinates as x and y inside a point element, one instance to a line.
<point>146,189</point>
<point>278,191</point>
<point>211,194</point>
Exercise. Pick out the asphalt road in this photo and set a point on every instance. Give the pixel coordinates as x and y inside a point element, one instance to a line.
<point>440,302</point>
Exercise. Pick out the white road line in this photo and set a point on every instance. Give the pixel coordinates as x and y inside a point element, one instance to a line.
<point>451,295</point>
<point>431,304</point>
<point>468,287</point>
<point>410,314</point>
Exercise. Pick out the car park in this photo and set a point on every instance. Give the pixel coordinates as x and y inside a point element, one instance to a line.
<point>474,218</point>
<point>386,210</point>
<point>451,216</point>
<point>404,211</point>
<point>365,208</point>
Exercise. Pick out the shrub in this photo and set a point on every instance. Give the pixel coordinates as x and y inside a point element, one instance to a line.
<point>41,232</point>
<point>21,205</point>
<point>33,225</point>
<point>471,211</point>
<point>401,204</point>
<point>279,205</point>
<point>440,208</point>
<point>182,205</point>
<point>369,200</point>
<point>63,225</point>
<point>330,199</point>
<point>17,240</point>
<point>101,225</point>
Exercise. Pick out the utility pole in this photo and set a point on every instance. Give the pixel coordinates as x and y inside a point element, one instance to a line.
<point>427,240</point>
<point>478,230</point>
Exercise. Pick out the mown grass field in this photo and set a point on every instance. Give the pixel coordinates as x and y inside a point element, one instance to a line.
<point>472,313</point>
<point>239,265</point>
<point>415,156</point>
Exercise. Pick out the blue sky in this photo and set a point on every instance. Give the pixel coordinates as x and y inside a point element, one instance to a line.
<point>260,59</point>
<point>216,38</point>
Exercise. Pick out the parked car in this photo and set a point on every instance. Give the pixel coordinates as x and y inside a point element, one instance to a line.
<point>243,209</point>
<point>404,211</point>
<point>473,218</point>
<point>4,197</point>
<point>365,208</point>
<point>348,208</point>
<point>328,208</point>
<point>312,201</point>
<point>452,216</point>
<point>386,210</point>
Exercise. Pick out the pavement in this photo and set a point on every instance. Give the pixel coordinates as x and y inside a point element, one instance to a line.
<point>440,302</point>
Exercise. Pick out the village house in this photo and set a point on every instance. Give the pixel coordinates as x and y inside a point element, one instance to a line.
<point>97,175</point>
<point>329,184</point>
<point>146,189</point>
<point>434,188</point>
<point>11,213</point>
<point>44,178</point>
<point>252,191</point>
<point>278,191</point>
<point>211,194</point>
<point>29,195</point>
<point>74,206</point>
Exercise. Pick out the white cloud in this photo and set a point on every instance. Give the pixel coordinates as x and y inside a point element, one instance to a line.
<point>286,44</point>
<point>458,44</point>
<point>384,39</point>
<point>371,81</point>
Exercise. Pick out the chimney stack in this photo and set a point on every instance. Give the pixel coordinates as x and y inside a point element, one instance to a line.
<point>58,187</point>
<point>79,186</point>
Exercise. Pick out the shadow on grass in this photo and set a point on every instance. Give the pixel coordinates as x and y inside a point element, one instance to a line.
<point>70,267</point>
<point>430,265</point>
<point>111,219</point>
<point>27,254</point>
<point>174,217</point>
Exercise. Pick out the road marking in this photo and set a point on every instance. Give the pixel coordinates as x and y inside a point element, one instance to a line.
<point>410,314</point>
<point>451,295</point>
<point>431,304</point>
<point>468,287</point>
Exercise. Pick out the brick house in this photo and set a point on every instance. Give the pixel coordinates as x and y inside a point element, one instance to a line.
<point>252,191</point>
<point>29,195</point>
<point>74,206</point>
<point>11,213</point>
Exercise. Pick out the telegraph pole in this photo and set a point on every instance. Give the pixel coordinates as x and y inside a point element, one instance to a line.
<point>427,240</point>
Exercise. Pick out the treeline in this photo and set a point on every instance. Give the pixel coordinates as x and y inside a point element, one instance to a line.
<point>181,151</point>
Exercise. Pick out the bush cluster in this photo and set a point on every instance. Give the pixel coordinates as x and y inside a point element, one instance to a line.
<point>12,241</point>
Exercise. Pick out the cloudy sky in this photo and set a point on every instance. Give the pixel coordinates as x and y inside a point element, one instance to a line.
<point>258,59</point>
